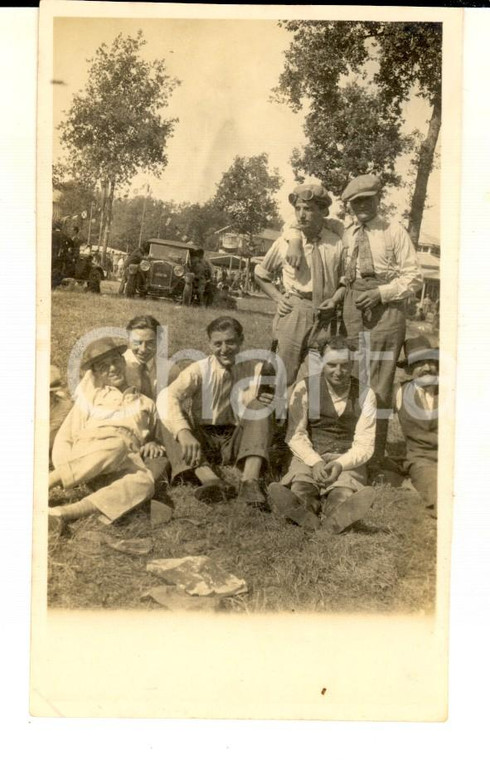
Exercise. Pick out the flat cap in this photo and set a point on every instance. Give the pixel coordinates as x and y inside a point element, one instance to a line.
<point>100,349</point>
<point>364,185</point>
<point>311,192</point>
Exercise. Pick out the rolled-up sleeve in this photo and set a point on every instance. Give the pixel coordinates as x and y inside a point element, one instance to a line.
<point>409,279</point>
<point>272,262</point>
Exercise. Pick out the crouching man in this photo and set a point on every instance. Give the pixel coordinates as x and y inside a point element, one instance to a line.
<point>206,422</point>
<point>108,435</point>
<point>331,433</point>
<point>416,402</point>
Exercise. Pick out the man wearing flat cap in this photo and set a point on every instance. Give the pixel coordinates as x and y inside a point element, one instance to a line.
<point>311,274</point>
<point>381,273</point>
<point>416,403</point>
<point>108,435</point>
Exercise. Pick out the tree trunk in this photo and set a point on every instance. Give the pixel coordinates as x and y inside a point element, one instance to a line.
<point>426,159</point>
<point>103,206</point>
<point>108,221</point>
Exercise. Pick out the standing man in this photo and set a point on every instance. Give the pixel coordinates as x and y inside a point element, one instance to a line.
<point>311,282</point>
<point>381,273</point>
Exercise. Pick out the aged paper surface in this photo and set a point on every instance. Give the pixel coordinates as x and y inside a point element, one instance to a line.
<point>324,667</point>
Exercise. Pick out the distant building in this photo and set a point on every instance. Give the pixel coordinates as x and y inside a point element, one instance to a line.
<point>428,244</point>
<point>237,243</point>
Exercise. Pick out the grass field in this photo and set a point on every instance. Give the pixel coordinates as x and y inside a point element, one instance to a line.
<point>385,563</point>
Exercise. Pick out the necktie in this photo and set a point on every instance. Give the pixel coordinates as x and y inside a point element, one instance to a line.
<point>364,254</point>
<point>317,276</point>
<point>361,256</point>
<point>146,386</point>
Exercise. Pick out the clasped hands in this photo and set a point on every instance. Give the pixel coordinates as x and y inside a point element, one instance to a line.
<point>325,473</point>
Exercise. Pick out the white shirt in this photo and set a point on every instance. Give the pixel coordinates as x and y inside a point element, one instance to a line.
<point>133,372</point>
<point>96,409</point>
<point>299,440</point>
<point>394,257</point>
<point>203,392</point>
<point>427,399</point>
<point>299,280</point>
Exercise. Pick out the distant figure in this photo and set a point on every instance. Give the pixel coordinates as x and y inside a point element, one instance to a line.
<point>120,268</point>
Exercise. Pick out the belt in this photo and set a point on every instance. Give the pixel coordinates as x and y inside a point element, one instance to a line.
<point>303,296</point>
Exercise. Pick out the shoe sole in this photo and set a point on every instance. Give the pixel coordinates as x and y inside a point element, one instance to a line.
<point>350,511</point>
<point>288,506</point>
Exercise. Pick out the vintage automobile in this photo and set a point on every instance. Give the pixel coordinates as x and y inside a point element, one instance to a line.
<point>169,271</point>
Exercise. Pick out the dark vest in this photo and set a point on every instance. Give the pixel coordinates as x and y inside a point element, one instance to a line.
<point>331,433</point>
<point>420,434</point>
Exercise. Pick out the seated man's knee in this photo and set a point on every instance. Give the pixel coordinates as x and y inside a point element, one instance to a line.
<point>337,495</point>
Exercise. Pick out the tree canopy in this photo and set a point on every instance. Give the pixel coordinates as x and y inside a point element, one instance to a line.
<point>114,128</point>
<point>246,194</point>
<point>354,127</point>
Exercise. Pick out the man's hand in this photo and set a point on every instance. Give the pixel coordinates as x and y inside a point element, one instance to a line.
<point>368,299</point>
<point>326,473</point>
<point>327,308</point>
<point>265,397</point>
<point>283,306</point>
<point>152,450</point>
<point>191,448</point>
<point>294,258</point>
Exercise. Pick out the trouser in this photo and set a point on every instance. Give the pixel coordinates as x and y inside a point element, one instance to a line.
<point>299,472</point>
<point>382,332</point>
<point>296,332</point>
<point>223,444</point>
<point>124,479</point>
<point>424,477</point>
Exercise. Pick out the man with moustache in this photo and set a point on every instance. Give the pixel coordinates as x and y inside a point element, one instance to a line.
<point>381,273</point>
<point>416,403</point>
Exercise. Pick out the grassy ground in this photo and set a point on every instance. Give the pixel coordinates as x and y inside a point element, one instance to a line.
<point>385,563</point>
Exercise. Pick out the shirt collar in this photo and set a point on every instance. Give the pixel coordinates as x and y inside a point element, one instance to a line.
<point>374,222</point>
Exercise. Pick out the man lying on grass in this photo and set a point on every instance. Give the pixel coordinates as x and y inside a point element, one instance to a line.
<point>416,402</point>
<point>331,433</point>
<point>204,419</point>
<point>108,435</point>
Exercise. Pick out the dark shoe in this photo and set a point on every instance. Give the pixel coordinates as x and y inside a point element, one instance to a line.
<point>252,494</point>
<point>350,511</point>
<point>287,505</point>
<point>56,525</point>
<point>214,492</point>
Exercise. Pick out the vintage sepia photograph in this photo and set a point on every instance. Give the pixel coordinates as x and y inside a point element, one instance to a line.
<point>247,320</point>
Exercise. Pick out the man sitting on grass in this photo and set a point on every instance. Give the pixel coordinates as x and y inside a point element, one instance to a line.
<point>205,421</point>
<point>416,402</point>
<point>331,433</point>
<point>140,355</point>
<point>109,434</point>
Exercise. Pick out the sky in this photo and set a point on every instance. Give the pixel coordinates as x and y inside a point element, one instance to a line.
<point>227,70</point>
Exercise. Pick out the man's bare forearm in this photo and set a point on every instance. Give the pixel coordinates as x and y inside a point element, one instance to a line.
<point>269,289</point>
